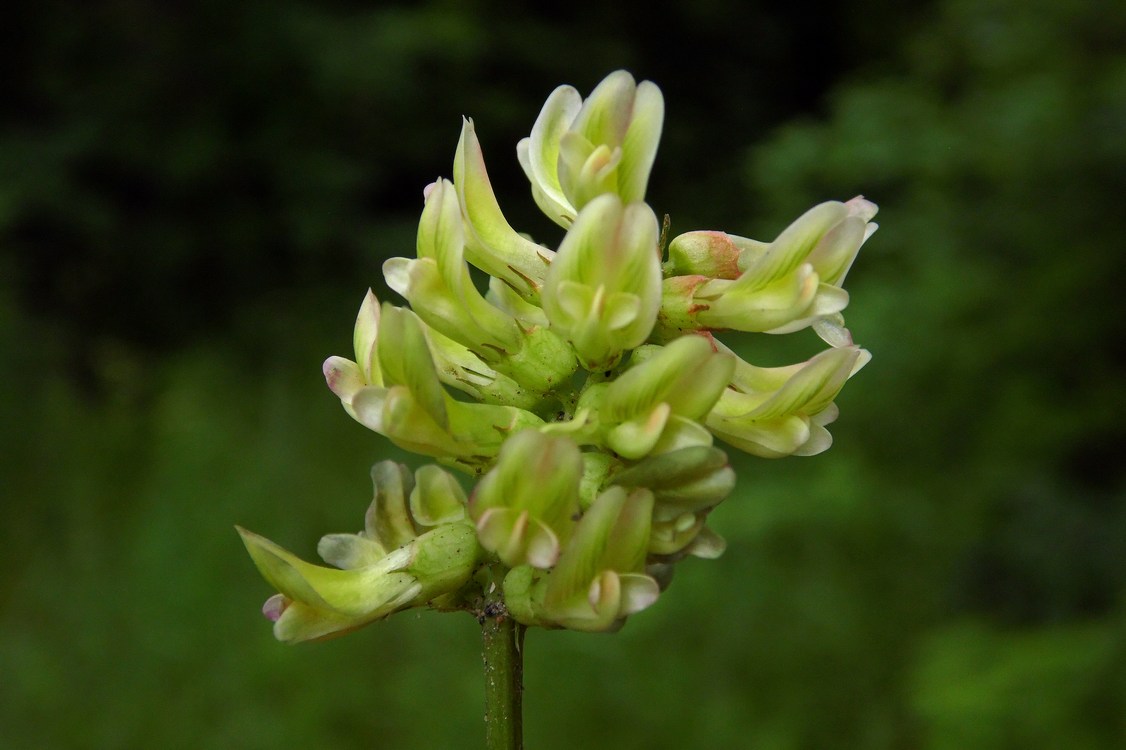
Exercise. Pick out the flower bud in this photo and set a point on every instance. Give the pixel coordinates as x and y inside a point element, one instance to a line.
<point>703,253</point>
<point>579,150</point>
<point>673,531</point>
<point>391,521</point>
<point>602,292</point>
<point>524,506</point>
<point>677,536</point>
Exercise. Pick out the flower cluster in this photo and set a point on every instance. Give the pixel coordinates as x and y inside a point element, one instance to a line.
<point>589,384</point>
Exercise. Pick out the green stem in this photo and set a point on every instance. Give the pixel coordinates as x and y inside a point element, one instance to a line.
<point>503,650</point>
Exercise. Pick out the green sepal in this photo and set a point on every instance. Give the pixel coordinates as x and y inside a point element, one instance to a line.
<point>680,307</point>
<point>596,468</point>
<point>460,368</point>
<point>544,364</point>
<point>444,559</point>
<point>479,430</point>
<point>523,595</point>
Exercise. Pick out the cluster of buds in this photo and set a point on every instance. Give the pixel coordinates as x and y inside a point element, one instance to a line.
<point>590,386</point>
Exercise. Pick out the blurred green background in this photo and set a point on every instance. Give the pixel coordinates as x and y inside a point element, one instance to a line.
<point>194,197</point>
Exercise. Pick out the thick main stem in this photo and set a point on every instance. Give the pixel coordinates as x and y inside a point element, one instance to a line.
<point>502,640</point>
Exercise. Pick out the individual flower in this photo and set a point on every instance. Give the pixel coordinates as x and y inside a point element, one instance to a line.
<point>456,366</point>
<point>579,150</point>
<point>525,506</point>
<point>784,286</point>
<point>603,289</point>
<point>599,579</point>
<point>782,411</point>
<point>414,411</point>
<point>403,558</point>
<point>663,396</point>
<point>438,286</point>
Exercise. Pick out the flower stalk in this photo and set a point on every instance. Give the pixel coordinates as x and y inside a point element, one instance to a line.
<point>502,649</point>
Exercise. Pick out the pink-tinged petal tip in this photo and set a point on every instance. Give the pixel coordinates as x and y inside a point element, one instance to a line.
<point>274,607</point>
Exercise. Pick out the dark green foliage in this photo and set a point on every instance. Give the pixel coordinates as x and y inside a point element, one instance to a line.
<point>194,201</point>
